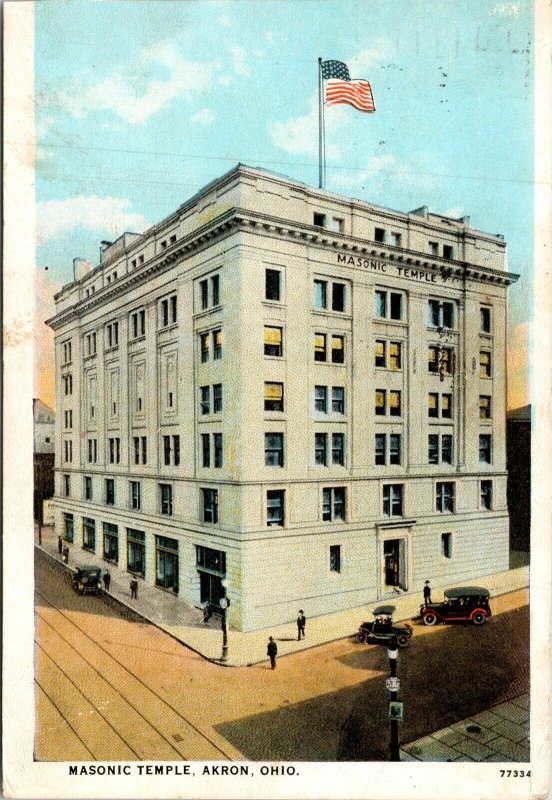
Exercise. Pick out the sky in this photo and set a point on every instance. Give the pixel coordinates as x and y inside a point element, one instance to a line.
<point>140,104</point>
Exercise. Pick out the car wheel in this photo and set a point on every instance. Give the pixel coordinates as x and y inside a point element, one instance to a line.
<point>479,618</point>
<point>429,619</point>
<point>360,639</point>
<point>403,640</point>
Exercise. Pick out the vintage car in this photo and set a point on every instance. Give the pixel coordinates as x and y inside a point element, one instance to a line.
<point>465,604</point>
<point>382,630</point>
<point>86,580</point>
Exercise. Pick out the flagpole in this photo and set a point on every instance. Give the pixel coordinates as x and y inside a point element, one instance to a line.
<point>321,132</point>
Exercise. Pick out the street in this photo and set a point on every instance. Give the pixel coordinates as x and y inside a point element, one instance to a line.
<point>112,687</point>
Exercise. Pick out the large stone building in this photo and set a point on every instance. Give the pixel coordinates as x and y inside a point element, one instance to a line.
<point>44,420</point>
<point>293,390</point>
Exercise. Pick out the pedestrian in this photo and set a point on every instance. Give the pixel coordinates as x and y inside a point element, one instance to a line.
<point>66,556</point>
<point>301,622</point>
<point>427,593</point>
<point>134,589</point>
<point>106,580</point>
<point>60,545</point>
<point>207,612</point>
<point>272,651</point>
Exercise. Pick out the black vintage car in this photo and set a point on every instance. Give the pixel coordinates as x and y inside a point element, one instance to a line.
<point>86,580</point>
<point>464,604</point>
<point>382,630</point>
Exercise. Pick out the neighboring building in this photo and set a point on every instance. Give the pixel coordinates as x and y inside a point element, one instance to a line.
<point>43,455</point>
<point>293,390</point>
<point>518,448</point>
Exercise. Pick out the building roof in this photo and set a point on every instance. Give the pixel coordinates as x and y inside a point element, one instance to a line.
<point>521,414</point>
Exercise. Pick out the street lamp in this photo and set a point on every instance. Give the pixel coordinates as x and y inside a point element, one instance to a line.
<point>224,602</point>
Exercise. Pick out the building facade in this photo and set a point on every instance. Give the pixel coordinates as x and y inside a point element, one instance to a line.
<point>297,392</point>
<point>44,420</point>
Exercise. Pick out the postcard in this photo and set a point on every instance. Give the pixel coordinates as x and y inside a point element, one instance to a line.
<point>277,281</point>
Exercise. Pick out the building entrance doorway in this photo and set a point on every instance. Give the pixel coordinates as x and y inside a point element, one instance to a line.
<point>211,588</point>
<point>392,562</point>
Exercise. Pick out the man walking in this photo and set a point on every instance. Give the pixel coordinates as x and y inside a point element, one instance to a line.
<point>106,580</point>
<point>60,545</point>
<point>272,651</point>
<point>301,622</point>
<point>134,589</point>
<point>427,593</point>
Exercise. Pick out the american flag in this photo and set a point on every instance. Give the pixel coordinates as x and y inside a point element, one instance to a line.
<point>341,89</point>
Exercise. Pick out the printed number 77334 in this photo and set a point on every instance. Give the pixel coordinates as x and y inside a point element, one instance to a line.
<point>515,773</point>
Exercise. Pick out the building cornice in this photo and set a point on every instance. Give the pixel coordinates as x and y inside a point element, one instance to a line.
<point>239,219</point>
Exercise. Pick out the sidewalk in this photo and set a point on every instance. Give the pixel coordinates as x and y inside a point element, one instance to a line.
<point>499,734</point>
<point>185,623</point>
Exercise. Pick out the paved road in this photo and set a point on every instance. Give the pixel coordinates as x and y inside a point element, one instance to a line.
<point>110,687</point>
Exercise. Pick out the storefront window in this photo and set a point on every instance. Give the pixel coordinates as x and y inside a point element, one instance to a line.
<point>110,542</point>
<point>89,534</point>
<point>68,527</point>
<point>136,551</point>
<point>166,560</point>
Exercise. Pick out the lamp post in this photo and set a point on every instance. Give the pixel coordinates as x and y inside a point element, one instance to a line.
<point>393,685</point>
<point>224,602</point>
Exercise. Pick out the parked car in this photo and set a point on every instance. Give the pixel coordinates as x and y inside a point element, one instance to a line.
<point>86,580</point>
<point>382,630</point>
<point>465,604</point>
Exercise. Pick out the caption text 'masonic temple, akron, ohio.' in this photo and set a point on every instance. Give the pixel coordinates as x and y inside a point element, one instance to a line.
<point>297,392</point>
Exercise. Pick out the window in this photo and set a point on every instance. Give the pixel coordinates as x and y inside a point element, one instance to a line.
<point>320,300</point>
<point>168,311</point>
<point>272,285</point>
<point>138,324</point>
<point>380,402</point>
<point>446,448</point>
<point>337,225</point>
<point>335,558</point>
<point>338,297</point>
<point>484,406</point>
<point>140,449</point>
<point>87,487</point>
<point>484,364</point>
<point>338,448</point>
<point>442,454</point>
<point>433,448</point>
<point>393,499</point>
<point>484,448</point>
<point>171,450</point>
<point>320,347</point>
<point>380,449</point>
<point>485,316</point>
<point>395,448</point>
<point>68,451</point>
<point>319,220</point>
<point>274,449</point>
<point>91,344</point>
<point>395,404</point>
<point>110,542</point>
<point>275,507</point>
<point>381,304</point>
<point>140,259</point>
<point>434,248</point>
<point>446,545</point>
<point>338,399</point>
<point>66,350</point>
<point>166,499</point>
<point>217,445</point>
<point>389,305</point>
<point>164,244</point>
<point>440,314</point>
<point>114,450</point>
<point>338,349</point>
<point>204,292</point>
<point>135,495</point>
<point>272,341</point>
<point>379,235</point>
<point>217,345</point>
<point>92,451</point>
<point>486,495</point>
<point>396,239</point>
<point>321,399</point>
<point>204,347</point>
<point>136,551</point>
<point>172,239</point>
<point>214,284</point>
<point>67,486</point>
<point>89,534</point>
<point>433,404</point>
<point>320,449</point>
<point>109,492</point>
<point>112,334</point>
<point>447,251</point>
<point>210,505</point>
<point>380,353</point>
<point>215,290</point>
<point>68,527</point>
<point>217,398</point>
<point>445,497</point>
<point>69,419</point>
<point>446,406</point>
<point>274,397</point>
<point>333,504</point>
<point>205,450</point>
<point>68,384</point>
<point>440,361</point>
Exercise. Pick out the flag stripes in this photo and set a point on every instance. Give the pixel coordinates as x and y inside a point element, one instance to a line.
<point>356,93</point>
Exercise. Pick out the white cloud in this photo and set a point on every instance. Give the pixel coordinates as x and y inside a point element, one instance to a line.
<point>357,178</point>
<point>455,213</point>
<point>203,117</point>
<point>360,64</point>
<point>240,61</point>
<point>108,215</point>
<point>137,94</point>
<point>225,80</point>
<point>506,10</point>
<point>300,134</point>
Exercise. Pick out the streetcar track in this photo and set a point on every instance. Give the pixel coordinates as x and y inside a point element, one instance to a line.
<point>65,674</point>
<point>42,689</point>
<point>184,719</point>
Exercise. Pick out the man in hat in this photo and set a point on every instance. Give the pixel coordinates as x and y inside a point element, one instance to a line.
<point>301,622</point>
<point>427,593</point>
<point>272,651</point>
